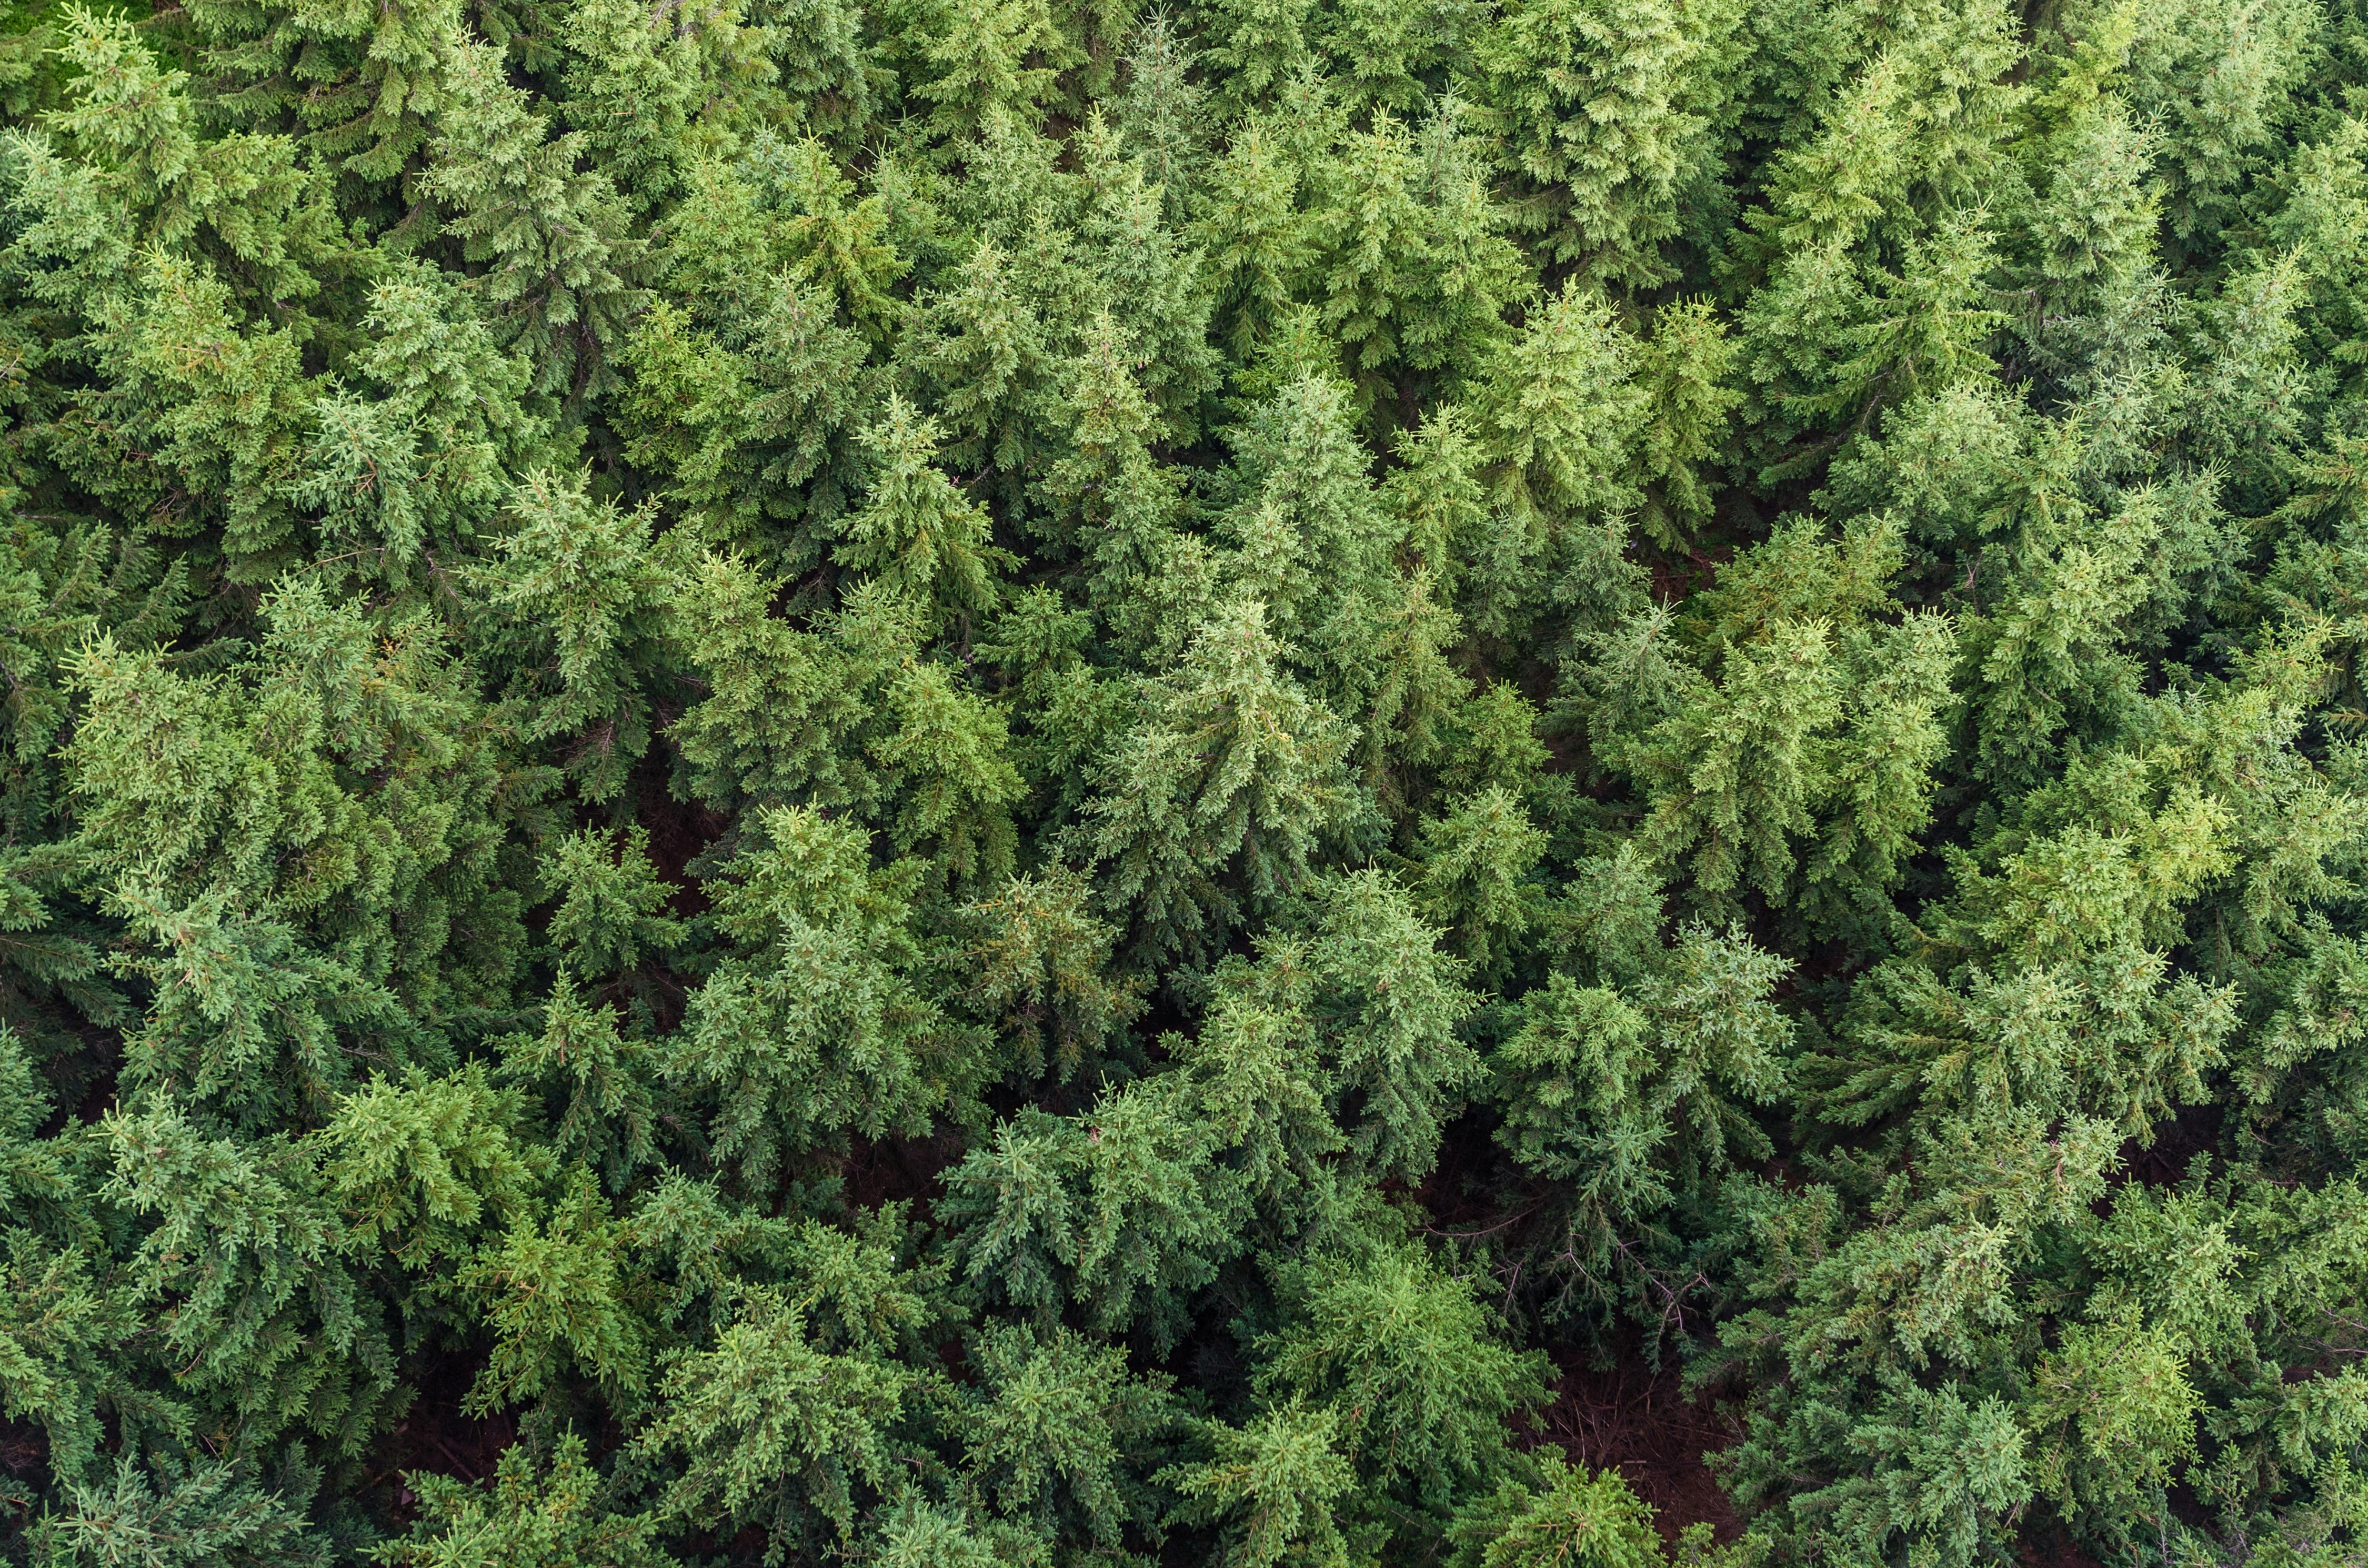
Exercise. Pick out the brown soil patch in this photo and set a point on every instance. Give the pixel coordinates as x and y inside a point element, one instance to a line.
<point>1635,1420</point>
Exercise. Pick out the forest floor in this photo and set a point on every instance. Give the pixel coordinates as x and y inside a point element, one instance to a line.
<point>1634,1418</point>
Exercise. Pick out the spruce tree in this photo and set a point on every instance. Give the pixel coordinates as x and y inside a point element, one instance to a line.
<point>976,782</point>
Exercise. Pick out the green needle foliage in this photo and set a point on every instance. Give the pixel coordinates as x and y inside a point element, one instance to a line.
<point>1026,783</point>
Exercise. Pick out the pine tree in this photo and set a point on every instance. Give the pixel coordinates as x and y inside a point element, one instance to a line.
<point>1476,864</point>
<point>837,245</point>
<point>545,1511</point>
<point>822,1018</point>
<point>1631,1093</point>
<point>322,797</point>
<point>1258,240</point>
<point>986,342</point>
<point>1260,1081</point>
<point>1571,1517</point>
<point>946,753</point>
<point>243,1252</point>
<point>785,709</point>
<point>1058,1434</point>
<point>755,418</point>
<point>1731,775</point>
<point>203,1513</point>
<point>554,1293</point>
<point>1312,542</point>
<point>1593,103</point>
<point>1274,1483</point>
<point>1685,365</point>
<point>1039,958</point>
<point>423,1169</point>
<point>781,1435</point>
<point>1401,1354</point>
<point>968,782</point>
<point>1555,411</point>
<point>561,264</point>
<point>581,581</point>
<point>1259,46</point>
<point>600,1077</point>
<point>986,61</point>
<point>1121,1210</point>
<point>1387,1005</point>
<point>917,534</point>
<point>638,84</point>
<point>1219,786</point>
<point>418,469</point>
<point>1161,114</point>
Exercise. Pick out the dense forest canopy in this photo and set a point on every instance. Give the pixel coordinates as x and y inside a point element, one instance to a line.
<point>1038,782</point>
